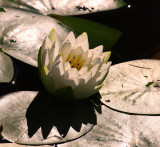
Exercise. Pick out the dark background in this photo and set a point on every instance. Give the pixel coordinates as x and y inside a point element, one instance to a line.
<point>140,25</point>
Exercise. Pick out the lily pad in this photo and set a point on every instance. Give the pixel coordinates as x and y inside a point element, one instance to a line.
<point>17,145</point>
<point>22,33</point>
<point>107,35</point>
<point>133,87</point>
<point>64,7</point>
<point>36,119</point>
<point>6,68</point>
<point>115,129</point>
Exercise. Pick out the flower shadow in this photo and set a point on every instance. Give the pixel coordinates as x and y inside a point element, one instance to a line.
<point>46,112</point>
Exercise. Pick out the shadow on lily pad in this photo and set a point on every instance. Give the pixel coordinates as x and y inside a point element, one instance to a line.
<point>46,112</point>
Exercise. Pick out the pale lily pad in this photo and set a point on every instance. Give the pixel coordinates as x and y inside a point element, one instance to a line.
<point>115,129</point>
<point>22,33</point>
<point>17,145</point>
<point>64,7</point>
<point>6,68</point>
<point>34,119</point>
<point>133,87</point>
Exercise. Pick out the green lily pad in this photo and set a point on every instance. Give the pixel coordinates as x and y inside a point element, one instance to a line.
<point>6,68</point>
<point>133,87</point>
<point>115,129</point>
<point>22,33</point>
<point>35,119</point>
<point>64,7</point>
<point>98,34</point>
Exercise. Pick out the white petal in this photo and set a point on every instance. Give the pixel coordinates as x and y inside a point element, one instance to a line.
<point>88,60</point>
<point>46,45</point>
<point>83,70</point>
<point>106,66</point>
<point>106,56</point>
<point>57,76</point>
<point>70,38</point>
<point>96,80</point>
<point>102,75</point>
<point>98,60</point>
<point>58,70</point>
<point>91,87</point>
<point>53,36</point>
<point>56,50</point>
<point>47,79</point>
<point>84,56</point>
<point>85,77</point>
<point>65,50</point>
<point>71,73</point>
<point>71,55</point>
<point>95,69</point>
<point>82,41</point>
<point>51,56</point>
<point>99,77</point>
<point>97,52</point>
<point>90,54</point>
<point>45,59</point>
<point>88,92</point>
<point>83,80</point>
<point>78,51</point>
<point>68,82</point>
<point>67,66</point>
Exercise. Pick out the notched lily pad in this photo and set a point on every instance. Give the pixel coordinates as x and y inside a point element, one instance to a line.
<point>22,36</point>
<point>31,118</point>
<point>6,68</point>
<point>64,7</point>
<point>133,87</point>
<point>116,129</point>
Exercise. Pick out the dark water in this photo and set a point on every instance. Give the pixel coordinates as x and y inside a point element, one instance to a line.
<point>26,78</point>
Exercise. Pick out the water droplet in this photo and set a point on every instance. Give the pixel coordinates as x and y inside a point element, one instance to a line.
<point>12,40</point>
<point>62,135</point>
<point>129,6</point>
<point>13,82</point>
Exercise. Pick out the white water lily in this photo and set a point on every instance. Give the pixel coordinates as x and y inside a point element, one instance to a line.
<point>72,66</point>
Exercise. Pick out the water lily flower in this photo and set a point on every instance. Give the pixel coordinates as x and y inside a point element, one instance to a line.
<point>71,69</point>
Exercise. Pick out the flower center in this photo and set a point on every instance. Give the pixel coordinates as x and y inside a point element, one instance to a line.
<point>76,61</point>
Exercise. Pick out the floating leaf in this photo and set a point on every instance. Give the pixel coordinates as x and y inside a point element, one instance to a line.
<point>36,119</point>
<point>17,145</point>
<point>22,36</point>
<point>133,87</point>
<point>6,68</point>
<point>64,7</point>
<point>116,129</point>
<point>98,34</point>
